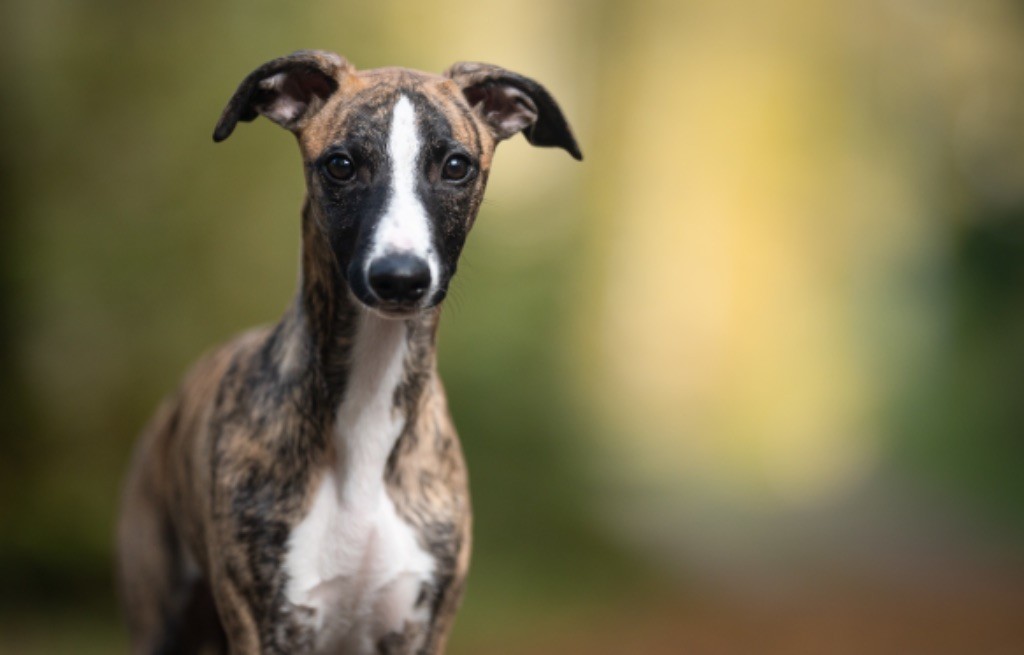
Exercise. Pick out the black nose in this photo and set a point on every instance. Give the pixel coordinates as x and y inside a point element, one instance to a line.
<point>399,278</point>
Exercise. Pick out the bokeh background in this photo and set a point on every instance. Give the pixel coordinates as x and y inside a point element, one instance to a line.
<point>748,380</point>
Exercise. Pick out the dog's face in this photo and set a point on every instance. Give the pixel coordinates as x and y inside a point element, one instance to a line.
<point>396,160</point>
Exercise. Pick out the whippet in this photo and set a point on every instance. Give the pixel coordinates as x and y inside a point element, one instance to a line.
<point>304,490</point>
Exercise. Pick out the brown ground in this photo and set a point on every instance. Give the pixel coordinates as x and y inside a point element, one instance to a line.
<point>976,619</point>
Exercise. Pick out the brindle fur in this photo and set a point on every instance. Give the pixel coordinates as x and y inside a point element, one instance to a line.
<point>229,464</point>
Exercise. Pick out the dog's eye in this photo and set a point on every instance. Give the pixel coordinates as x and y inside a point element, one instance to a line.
<point>455,168</point>
<point>340,168</point>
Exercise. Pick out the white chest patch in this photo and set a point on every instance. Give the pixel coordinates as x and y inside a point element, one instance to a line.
<point>352,560</point>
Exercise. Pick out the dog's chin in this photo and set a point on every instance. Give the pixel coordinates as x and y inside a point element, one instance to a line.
<point>396,311</point>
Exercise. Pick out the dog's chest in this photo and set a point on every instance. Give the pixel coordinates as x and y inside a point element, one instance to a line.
<point>355,568</point>
<point>359,572</point>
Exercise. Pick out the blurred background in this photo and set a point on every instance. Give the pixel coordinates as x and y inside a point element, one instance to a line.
<point>748,380</point>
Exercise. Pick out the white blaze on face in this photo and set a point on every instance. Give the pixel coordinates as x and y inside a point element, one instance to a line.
<point>405,226</point>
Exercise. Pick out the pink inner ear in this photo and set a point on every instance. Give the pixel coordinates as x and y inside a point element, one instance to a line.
<point>289,95</point>
<point>502,106</point>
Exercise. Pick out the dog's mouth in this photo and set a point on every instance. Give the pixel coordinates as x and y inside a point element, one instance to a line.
<point>398,311</point>
<point>394,311</point>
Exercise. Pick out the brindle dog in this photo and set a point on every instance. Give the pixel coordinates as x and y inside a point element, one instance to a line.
<point>304,490</point>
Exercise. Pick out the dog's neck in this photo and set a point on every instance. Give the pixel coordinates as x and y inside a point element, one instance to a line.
<point>344,349</point>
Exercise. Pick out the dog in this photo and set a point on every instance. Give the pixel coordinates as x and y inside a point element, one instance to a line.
<point>304,490</point>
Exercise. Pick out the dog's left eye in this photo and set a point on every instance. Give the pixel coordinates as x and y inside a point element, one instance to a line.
<point>340,168</point>
<point>455,168</point>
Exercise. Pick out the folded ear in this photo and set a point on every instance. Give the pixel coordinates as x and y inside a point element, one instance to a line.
<point>509,103</point>
<point>286,90</point>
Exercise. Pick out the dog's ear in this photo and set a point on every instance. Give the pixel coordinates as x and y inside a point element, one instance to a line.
<point>286,90</point>
<point>509,103</point>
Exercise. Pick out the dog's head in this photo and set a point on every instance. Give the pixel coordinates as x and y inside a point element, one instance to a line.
<point>396,160</point>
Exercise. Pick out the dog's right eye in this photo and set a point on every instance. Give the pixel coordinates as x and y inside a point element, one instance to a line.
<point>456,168</point>
<point>340,168</point>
